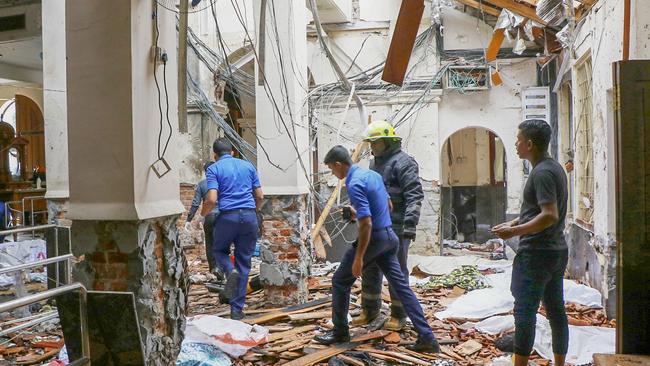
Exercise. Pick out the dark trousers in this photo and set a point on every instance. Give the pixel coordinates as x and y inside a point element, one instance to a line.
<point>372,283</point>
<point>208,230</point>
<point>537,275</point>
<point>238,227</point>
<point>381,250</point>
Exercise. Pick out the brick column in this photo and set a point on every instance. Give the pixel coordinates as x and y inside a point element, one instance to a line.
<point>143,257</point>
<point>285,250</point>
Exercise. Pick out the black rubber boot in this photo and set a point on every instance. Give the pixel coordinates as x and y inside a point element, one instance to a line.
<point>333,336</point>
<point>422,346</point>
<point>230,290</point>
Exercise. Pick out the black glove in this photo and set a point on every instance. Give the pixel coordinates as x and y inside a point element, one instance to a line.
<point>409,233</point>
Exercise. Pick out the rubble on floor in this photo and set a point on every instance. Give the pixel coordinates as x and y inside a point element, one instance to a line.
<point>465,340</point>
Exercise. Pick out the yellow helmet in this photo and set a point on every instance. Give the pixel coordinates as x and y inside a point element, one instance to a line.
<point>380,130</point>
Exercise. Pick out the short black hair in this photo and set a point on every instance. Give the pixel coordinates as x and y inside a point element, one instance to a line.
<point>222,146</point>
<point>537,131</point>
<point>207,165</point>
<point>338,154</point>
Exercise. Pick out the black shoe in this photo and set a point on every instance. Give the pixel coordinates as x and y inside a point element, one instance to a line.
<point>218,273</point>
<point>421,346</point>
<point>332,337</point>
<point>230,290</point>
<point>236,315</point>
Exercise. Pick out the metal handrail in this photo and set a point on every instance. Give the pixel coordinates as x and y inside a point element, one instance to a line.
<point>48,294</point>
<point>24,229</point>
<point>44,262</point>
<point>43,318</point>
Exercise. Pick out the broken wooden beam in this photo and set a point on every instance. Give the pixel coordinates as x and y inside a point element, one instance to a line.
<point>401,45</point>
<point>518,8</point>
<point>481,7</point>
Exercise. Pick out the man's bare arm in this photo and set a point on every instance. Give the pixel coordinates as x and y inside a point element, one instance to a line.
<point>209,202</point>
<point>259,197</point>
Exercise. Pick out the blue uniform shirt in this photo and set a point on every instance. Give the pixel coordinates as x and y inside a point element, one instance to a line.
<point>368,196</point>
<point>234,180</point>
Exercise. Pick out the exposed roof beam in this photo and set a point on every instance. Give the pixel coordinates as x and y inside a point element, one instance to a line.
<point>479,6</point>
<point>587,2</point>
<point>518,8</point>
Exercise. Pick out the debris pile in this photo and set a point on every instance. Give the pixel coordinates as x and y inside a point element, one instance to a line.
<point>464,340</point>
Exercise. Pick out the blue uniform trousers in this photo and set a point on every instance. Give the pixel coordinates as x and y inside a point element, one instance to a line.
<point>372,283</point>
<point>238,227</point>
<point>381,250</point>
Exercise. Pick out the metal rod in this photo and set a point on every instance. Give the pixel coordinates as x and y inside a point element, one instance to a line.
<point>26,229</point>
<point>44,262</point>
<point>49,316</point>
<point>81,361</point>
<point>28,300</point>
<point>27,318</point>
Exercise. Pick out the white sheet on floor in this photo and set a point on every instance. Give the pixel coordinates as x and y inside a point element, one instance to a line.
<point>438,266</point>
<point>231,336</point>
<point>496,324</point>
<point>581,294</point>
<point>479,304</point>
<point>583,341</point>
<point>498,299</point>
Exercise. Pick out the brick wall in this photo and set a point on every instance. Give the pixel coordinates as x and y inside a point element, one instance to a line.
<point>110,266</point>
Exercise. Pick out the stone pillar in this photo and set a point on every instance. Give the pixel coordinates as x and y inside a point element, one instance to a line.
<point>123,214</point>
<point>281,82</point>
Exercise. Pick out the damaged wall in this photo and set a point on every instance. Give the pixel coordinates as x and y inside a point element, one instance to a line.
<point>593,247</point>
<point>145,258</point>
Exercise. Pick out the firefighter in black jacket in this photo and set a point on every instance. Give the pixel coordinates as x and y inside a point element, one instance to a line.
<point>401,178</point>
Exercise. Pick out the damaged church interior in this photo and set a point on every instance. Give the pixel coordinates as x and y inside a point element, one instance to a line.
<point>324,182</point>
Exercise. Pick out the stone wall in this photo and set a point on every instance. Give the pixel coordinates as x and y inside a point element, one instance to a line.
<point>426,240</point>
<point>285,250</point>
<point>143,257</point>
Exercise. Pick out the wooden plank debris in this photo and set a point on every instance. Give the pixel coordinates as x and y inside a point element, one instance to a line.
<point>334,350</point>
<point>276,336</point>
<point>285,312</point>
<point>401,45</point>
<point>469,348</point>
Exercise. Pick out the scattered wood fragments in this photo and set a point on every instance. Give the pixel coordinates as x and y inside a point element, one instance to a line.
<point>292,329</point>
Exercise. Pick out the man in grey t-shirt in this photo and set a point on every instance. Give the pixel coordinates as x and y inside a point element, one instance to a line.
<point>538,268</point>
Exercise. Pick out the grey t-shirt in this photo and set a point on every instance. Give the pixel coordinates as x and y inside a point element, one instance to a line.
<point>547,183</point>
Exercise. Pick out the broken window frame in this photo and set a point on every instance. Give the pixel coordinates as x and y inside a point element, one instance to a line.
<point>583,139</point>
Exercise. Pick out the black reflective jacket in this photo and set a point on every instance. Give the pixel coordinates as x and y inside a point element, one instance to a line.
<point>402,180</point>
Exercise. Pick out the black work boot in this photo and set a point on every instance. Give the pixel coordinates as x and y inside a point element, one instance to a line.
<point>236,315</point>
<point>230,290</point>
<point>333,336</point>
<point>425,346</point>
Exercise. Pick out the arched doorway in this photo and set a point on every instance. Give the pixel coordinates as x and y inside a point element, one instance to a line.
<point>474,196</point>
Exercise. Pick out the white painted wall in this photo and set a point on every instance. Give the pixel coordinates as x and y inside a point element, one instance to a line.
<point>112,109</point>
<point>601,38</point>
<point>498,110</point>
<point>55,99</point>
<point>281,119</point>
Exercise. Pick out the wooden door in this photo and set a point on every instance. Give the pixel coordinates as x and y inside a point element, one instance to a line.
<point>632,111</point>
<point>30,126</point>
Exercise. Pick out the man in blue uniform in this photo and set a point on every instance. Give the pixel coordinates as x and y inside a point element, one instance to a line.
<point>377,243</point>
<point>200,193</point>
<point>234,184</point>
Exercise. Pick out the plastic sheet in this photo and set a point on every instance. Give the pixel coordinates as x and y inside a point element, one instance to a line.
<point>492,301</point>
<point>581,294</point>
<point>583,341</point>
<point>231,336</point>
<point>439,266</point>
<point>496,324</point>
<point>201,354</point>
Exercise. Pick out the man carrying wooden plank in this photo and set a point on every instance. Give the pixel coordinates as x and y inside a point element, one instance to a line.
<point>400,173</point>
<point>371,206</point>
